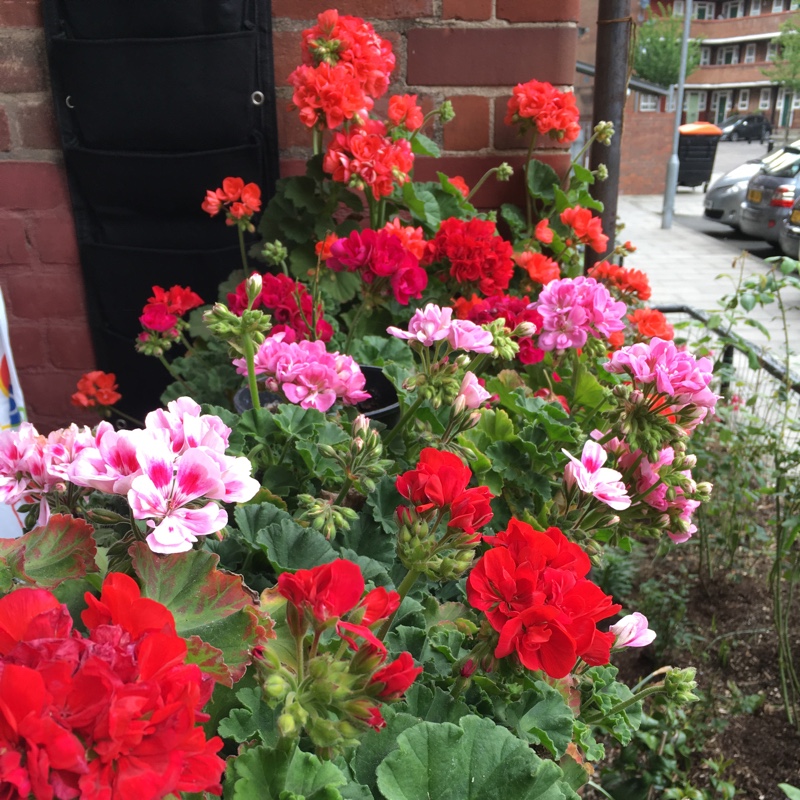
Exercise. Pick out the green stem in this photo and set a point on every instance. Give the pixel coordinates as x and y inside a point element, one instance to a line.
<point>243,251</point>
<point>128,417</point>
<point>625,704</point>
<point>168,367</point>
<point>403,589</point>
<point>409,413</point>
<point>343,492</point>
<point>249,355</point>
<point>299,645</point>
<point>528,195</point>
<point>316,141</point>
<point>351,331</point>
<point>481,181</point>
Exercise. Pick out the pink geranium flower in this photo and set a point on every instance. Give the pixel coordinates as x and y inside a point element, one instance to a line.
<point>593,478</point>
<point>428,325</point>
<point>471,394</point>
<point>632,631</point>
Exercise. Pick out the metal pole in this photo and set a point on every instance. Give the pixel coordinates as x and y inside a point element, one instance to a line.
<point>610,89</point>
<point>673,164</point>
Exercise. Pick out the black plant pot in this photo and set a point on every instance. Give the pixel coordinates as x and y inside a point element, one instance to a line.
<point>383,405</point>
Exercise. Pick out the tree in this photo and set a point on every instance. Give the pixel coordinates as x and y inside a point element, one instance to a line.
<point>785,70</point>
<point>657,51</point>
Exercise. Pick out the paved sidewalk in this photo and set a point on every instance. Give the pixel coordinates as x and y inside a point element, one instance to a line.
<point>683,264</point>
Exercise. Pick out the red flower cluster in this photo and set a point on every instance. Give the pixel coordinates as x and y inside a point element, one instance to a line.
<point>539,267</point>
<point>626,281</point>
<point>403,110</point>
<point>345,66</point>
<point>532,586</point>
<point>96,389</point>
<point>550,111</point>
<point>289,303</point>
<point>381,257</point>
<point>649,323</point>
<point>163,310</point>
<point>588,229</point>
<point>239,200</point>
<point>439,483</point>
<point>476,255</point>
<point>514,310</point>
<point>113,715</point>
<point>366,158</point>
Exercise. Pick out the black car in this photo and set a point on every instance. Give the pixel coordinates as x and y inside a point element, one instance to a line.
<point>746,126</point>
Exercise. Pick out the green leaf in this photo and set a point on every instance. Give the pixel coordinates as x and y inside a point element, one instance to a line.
<point>61,550</point>
<point>589,392</point>
<point>255,719</point>
<point>206,602</point>
<point>515,220</point>
<point>791,792</point>
<point>262,773</point>
<point>434,705</point>
<point>476,760</point>
<point>290,547</point>
<point>421,145</point>
<point>582,174</point>
<point>542,180</point>
<point>376,745</point>
<point>422,204</point>
<point>748,301</point>
<point>548,722</point>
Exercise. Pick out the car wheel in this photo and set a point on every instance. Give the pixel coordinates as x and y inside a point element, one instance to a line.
<point>735,136</point>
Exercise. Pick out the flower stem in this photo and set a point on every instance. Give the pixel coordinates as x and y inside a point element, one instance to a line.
<point>481,181</point>
<point>403,589</point>
<point>168,367</point>
<point>409,413</point>
<point>626,704</point>
<point>528,195</point>
<point>128,417</point>
<point>242,250</point>
<point>351,331</point>
<point>249,355</point>
<point>343,492</point>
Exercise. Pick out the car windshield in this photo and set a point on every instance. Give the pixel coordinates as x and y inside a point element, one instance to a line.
<point>731,120</point>
<point>786,166</point>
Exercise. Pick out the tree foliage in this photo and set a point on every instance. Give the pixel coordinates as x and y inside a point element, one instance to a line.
<point>785,70</point>
<point>657,49</point>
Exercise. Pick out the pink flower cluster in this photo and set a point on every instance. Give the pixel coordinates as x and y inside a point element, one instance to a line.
<point>574,308</point>
<point>593,478</point>
<point>365,157</point>
<point>384,256</point>
<point>166,470</point>
<point>434,324</point>
<point>32,465</point>
<point>307,374</point>
<point>673,373</point>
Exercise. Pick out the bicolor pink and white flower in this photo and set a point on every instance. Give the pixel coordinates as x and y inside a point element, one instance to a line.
<point>593,478</point>
<point>434,324</point>
<point>471,395</point>
<point>632,631</point>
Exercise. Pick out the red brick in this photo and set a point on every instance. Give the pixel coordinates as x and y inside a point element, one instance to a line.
<point>470,128</point>
<point>54,240</point>
<point>292,166</point>
<point>472,10</point>
<point>13,243</point>
<point>20,14</point>
<point>47,397</point>
<point>507,137</point>
<point>369,9</point>
<point>22,61</point>
<point>291,132</point>
<point>472,168</point>
<point>490,57</point>
<point>46,296</point>
<point>70,347</point>
<point>5,133</point>
<point>32,185</point>
<point>285,54</point>
<point>28,344</point>
<point>538,10</point>
<point>37,126</point>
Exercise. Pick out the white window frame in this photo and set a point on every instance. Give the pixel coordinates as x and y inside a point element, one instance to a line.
<point>678,8</point>
<point>702,100</point>
<point>705,56</point>
<point>707,10</point>
<point>744,100</point>
<point>777,6</point>
<point>764,99</point>
<point>772,51</point>
<point>732,9</point>
<point>779,101</point>
<point>750,53</point>
<point>648,102</point>
<point>796,100</point>
<point>755,8</point>
<point>733,50</point>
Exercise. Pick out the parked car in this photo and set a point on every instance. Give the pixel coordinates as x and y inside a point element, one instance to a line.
<point>723,201</point>
<point>770,195</point>
<point>746,126</point>
<point>789,235</point>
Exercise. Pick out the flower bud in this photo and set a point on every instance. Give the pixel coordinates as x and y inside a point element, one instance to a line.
<point>286,725</point>
<point>604,131</point>
<point>680,685</point>
<point>446,111</point>
<point>276,687</point>
<point>275,253</point>
<point>601,172</point>
<point>252,287</point>
<point>504,172</point>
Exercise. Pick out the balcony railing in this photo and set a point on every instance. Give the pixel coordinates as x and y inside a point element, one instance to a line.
<point>739,26</point>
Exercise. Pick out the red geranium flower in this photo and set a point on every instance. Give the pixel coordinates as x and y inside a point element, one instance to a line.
<point>327,591</point>
<point>550,111</point>
<point>403,110</point>
<point>588,229</point>
<point>625,281</point>
<point>651,322</point>
<point>96,388</point>
<point>396,678</point>
<point>437,481</point>
<point>539,267</point>
<point>379,604</point>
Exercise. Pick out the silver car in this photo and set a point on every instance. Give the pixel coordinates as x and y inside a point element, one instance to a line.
<point>723,201</point>
<point>789,236</point>
<point>769,198</point>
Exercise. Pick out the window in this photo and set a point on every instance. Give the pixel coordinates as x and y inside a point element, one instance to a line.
<point>733,8</point>
<point>648,102</point>
<point>779,101</point>
<point>755,7</point>
<point>703,11</point>
<point>796,100</point>
<point>701,99</point>
<point>705,56</point>
<point>750,53</point>
<point>763,99</point>
<point>772,51</point>
<point>728,55</point>
<point>678,8</point>
<point>744,99</point>
<point>777,6</point>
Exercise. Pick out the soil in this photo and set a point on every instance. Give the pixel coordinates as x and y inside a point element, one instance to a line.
<point>735,652</point>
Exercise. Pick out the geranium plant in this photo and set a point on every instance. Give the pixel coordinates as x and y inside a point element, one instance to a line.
<point>354,608</point>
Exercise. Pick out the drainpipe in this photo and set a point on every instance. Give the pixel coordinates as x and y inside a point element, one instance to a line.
<point>610,90</point>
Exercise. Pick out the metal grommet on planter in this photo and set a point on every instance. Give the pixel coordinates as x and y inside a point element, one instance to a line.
<point>257,98</point>
<point>68,102</point>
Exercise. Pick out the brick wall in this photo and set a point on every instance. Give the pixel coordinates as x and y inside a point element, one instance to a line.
<point>468,51</point>
<point>646,146</point>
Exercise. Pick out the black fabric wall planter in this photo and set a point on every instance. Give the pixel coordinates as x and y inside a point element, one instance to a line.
<point>184,94</point>
<point>118,19</point>
<point>157,101</point>
<point>153,199</point>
